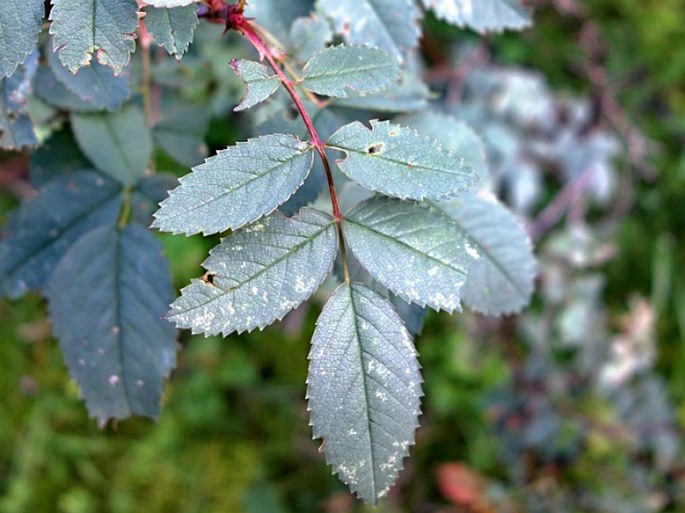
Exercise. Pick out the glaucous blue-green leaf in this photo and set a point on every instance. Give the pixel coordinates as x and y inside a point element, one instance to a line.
<point>118,143</point>
<point>96,84</point>
<point>258,274</point>
<point>259,85</point>
<point>236,186</point>
<point>16,127</point>
<point>339,70</point>
<point>409,94</point>
<point>180,131</point>
<point>397,161</point>
<point>172,28</point>
<point>81,27</point>
<point>47,225</point>
<point>364,389</point>
<point>20,22</point>
<point>55,93</point>
<point>108,296</point>
<point>308,35</point>
<point>392,25</point>
<point>276,15</point>
<point>502,281</point>
<point>482,15</point>
<point>170,3</point>
<point>419,254</point>
<point>411,314</point>
<point>455,136</point>
<point>56,157</point>
<point>147,195</point>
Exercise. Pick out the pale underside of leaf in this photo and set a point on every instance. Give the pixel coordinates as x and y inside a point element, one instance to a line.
<point>397,161</point>
<point>502,281</point>
<point>81,27</point>
<point>237,186</point>
<point>258,274</point>
<point>364,389</point>
<point>116,343</point>
<point>259,85</point>
<point>170,3</point>
<point>482,15</point>
<point>360,70</point>
<point>388,24</point>
<point>20,22</point>
<point>418,254</point>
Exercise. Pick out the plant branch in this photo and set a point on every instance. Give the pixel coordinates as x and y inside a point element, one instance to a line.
<point>251,33</point>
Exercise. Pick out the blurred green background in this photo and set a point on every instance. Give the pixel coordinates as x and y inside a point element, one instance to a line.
<point>234,434</point>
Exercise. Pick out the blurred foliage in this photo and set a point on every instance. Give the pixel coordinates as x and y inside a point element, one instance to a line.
<point>561,410</point>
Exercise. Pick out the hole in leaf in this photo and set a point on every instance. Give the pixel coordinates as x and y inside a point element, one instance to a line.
<point>375,149</point>
<point>208,278</point>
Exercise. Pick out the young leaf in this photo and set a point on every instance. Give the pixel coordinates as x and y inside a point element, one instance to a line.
<point>420,255</point>
<point>502,281</point>
<point>20,22</point>
<point>359,69</point>
<point>259,274</point>
<point>116,343</point>
<point>391,25</point>
<point>259,85</point>
<point>397,161</point>
<point>172,28</point>
<point>308,35</point>
<point>237,186</point>
<point>16,128</point>
<point>118,143</point>
<point>81,27</point>
<point>46,226</point>
<point>96,84</point>
<point>364,389</point>
<point>482,15</point>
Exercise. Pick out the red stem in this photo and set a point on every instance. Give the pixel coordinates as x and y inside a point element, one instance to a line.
<point>244,26</point>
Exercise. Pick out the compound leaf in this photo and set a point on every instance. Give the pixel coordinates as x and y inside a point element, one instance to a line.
<point>259,274</point>
<point>237,186</point>
<point>419,254</point>
<point>172,29</point>
<point>95,84</point>
<point>116,342</point>
<point>20,22</point>
<point>397,161</point>
<point>388,24</point>
<point>482,15</point>
<point>16,127</point>
<point>259,85</point>
<point>118,143</point>
<point>81,27</point>
<point>364,389</point>
<point>502,281</point>
<point>358,69</point>
<point>47,225</point>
